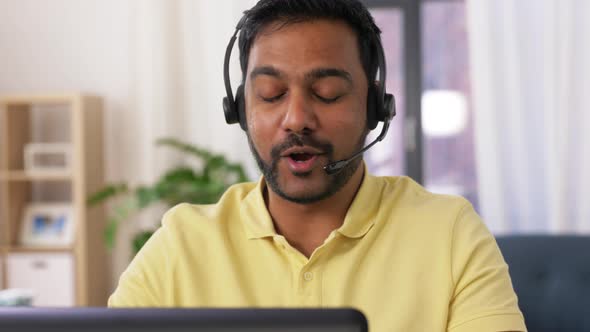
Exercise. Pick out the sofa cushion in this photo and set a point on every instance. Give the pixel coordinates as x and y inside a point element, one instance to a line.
<point>551,276</point>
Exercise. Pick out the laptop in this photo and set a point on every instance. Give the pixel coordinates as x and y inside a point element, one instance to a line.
<point>25,319</point>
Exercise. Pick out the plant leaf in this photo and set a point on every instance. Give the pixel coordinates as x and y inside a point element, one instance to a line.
<point>146,196</point>
<point>204,185</point>
<point>140,239</point>
<point>106,193</point>
<point>110,233</point>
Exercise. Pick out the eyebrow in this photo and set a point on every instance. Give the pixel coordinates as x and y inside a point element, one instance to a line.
<point>328,72</point>
<point>265,70</point>
<point>311,76</point>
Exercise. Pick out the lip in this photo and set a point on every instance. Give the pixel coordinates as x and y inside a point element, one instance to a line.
<point>302,166</point>
<point>301,149</point>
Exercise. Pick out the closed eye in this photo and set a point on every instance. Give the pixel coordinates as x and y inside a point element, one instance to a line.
<point>272,99</point>
<point>327,100</point>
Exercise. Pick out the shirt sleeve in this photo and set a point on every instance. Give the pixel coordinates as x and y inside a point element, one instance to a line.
<point>483,298</point>
<point>143,282</point>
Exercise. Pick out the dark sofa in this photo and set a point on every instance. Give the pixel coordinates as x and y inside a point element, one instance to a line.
<point>551,276</point>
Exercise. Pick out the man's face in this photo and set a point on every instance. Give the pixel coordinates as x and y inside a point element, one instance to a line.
<point>306,95</point>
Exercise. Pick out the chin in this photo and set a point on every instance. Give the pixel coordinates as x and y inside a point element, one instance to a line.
<point>303,198</point>
<point>303,193</point>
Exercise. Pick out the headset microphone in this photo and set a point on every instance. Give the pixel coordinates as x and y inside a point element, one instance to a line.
<point>337,166</point>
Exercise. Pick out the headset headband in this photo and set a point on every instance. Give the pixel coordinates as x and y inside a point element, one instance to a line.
<point>384,106</point>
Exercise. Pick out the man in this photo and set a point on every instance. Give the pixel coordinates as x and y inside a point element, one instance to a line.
<point>300,237</point>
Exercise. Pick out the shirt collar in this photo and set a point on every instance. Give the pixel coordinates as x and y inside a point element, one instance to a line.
<point>257,220</point>
<point>359,219</point>
<point>363,211</point>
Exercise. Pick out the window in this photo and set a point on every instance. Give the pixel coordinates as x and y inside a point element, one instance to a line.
<point>428,70</point>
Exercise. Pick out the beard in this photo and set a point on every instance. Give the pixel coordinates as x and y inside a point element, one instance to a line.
<point>335,182</point>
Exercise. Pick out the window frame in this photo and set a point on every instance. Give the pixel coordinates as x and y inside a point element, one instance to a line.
<point>412,53</point>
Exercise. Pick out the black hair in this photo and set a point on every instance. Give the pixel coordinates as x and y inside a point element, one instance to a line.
<point>352,12</point>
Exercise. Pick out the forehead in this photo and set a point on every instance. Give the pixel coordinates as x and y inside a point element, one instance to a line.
<point>303,46</point>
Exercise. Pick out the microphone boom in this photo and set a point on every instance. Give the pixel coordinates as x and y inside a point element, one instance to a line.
<point>337,166</point>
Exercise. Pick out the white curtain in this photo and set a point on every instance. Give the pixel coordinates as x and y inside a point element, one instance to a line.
<point>176,88</point>
<point>530,65</point>
<point>177,54</point>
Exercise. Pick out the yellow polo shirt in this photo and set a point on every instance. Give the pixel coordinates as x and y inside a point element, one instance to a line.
<point>408,259</point>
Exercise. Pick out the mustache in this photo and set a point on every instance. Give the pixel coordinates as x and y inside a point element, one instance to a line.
<point>297,140</point>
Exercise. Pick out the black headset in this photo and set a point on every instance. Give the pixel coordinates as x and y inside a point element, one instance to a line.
<point>380,104</point>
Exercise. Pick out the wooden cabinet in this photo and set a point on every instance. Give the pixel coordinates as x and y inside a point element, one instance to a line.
<point>61,275</point>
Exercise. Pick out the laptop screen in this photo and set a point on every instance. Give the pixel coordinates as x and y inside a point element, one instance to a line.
<point>181,320</point>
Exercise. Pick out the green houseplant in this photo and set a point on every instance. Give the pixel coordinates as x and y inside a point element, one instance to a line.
<point>202,185</point>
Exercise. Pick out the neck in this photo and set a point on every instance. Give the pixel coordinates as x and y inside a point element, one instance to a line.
<point>306,226</point>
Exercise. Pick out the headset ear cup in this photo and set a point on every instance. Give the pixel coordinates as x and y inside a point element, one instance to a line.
<point>229,111</point>
<point>241,107</point>
<point>389,107</point>
<point>372,108</point>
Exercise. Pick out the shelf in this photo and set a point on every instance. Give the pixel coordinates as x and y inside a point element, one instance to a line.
<point>36,249</point>
<point>72,118</point>
<point>39,99</point>
<point>37,176</point>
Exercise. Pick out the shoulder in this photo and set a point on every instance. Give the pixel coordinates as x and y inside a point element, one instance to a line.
<point>411,214</point>
<point>446,221</point>
<point>202,215</point>
<point>191,236</point>
<point>401,195</point>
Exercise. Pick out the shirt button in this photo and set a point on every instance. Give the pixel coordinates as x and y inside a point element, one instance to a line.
<point>308,276</point>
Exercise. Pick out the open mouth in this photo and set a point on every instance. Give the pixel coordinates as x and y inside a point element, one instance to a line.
<point>301,157</point>
<point>302,162</point>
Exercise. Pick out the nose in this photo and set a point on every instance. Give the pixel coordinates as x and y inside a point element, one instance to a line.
<point>300,117</point>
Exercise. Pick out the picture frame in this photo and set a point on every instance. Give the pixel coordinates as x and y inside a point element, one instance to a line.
<point>47,224</point>
<point>47,157</point>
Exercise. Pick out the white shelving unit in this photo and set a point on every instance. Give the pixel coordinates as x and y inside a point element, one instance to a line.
<point>69,275</point>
